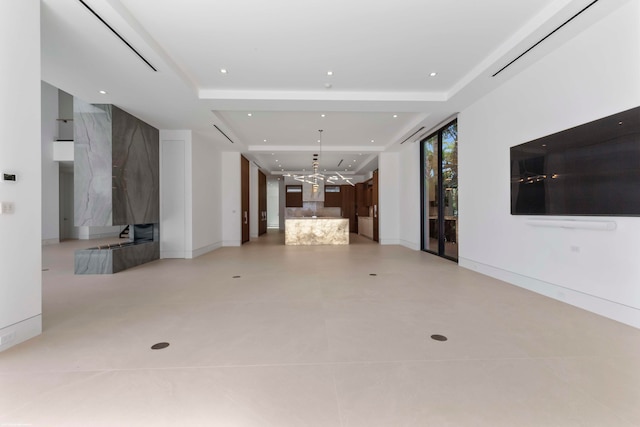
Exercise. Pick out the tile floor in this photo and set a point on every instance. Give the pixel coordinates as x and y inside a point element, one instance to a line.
<point>307,337</point>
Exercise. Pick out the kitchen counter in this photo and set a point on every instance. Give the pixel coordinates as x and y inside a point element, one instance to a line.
<point>316,231</point>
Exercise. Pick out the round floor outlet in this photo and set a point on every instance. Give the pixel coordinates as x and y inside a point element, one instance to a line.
<point>160,346</point>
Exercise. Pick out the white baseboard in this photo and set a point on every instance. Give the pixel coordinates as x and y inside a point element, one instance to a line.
<point>231,243</point>
<point>172,254</point>
<point>389,241</point>
<point>20,332</point>
<point>610,309</point>
<point>205,249</point>
<point>410,245</point>
<point>47,242</point>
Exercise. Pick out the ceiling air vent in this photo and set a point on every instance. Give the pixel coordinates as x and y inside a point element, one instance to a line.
<point>118,35</point>
<point>544,38</point>
<point>412,135</point>
<point>225,135</point>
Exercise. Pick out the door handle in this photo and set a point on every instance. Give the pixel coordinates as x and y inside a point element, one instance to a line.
<point>375,211</point>
<point>245,217</point>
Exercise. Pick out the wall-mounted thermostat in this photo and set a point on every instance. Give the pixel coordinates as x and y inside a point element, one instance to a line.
<point>9,177</point>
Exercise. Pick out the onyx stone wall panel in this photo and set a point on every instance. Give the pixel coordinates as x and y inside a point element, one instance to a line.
<point>116,167</point>
<point>136,160</point>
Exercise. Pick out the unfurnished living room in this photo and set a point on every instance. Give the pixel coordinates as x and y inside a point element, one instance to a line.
<point>338,213</point>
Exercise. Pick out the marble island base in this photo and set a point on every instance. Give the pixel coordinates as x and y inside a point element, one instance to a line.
<point>316,231</point>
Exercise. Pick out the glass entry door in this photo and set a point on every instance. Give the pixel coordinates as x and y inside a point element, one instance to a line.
<point>439,155</point>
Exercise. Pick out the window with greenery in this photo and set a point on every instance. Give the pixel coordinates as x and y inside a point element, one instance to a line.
<point>439,157</point>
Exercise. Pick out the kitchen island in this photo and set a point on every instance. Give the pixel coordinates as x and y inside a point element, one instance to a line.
<point>316,231</point>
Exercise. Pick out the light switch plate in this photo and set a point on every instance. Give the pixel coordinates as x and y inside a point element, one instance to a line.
<point>7,208</point>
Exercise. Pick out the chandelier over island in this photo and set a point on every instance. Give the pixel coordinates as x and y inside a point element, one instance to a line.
<point>328,178</point>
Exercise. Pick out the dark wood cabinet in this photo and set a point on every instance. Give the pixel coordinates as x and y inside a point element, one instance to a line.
<point>332,196</point>
<point>293,196</point>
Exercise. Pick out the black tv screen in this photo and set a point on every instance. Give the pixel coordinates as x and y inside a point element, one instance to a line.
<point>591,169</point>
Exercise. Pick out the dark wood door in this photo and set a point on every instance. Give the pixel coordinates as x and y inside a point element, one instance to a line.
<point>376,206</point>
<point>361,199</point>
<point>244,213</point>
<point>262,203</point>
<point>349,206</point>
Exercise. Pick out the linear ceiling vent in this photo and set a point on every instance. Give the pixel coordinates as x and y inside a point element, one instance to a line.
<point>225,135</point>
<point>118,35</point>
<point>340,163</point>
<point>412,135</point>
<point>545,37</point>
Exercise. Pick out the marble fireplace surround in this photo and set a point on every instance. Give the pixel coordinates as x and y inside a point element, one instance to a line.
<point>110,258</point>
<point>116,182</point>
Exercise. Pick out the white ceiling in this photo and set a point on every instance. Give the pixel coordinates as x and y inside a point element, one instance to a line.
<point>277,54</point>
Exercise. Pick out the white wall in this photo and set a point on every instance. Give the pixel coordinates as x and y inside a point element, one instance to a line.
<point>231,202</point>
<point>254,210</point>
<point>50,169</point>
<point>409,196</point>
<point>207,194</point>
<point>175,164</point>
<point>20,147</point>
<point>282,202</point>
<point>593,75</point>
<point>273,202</point>
<point>389,198</point>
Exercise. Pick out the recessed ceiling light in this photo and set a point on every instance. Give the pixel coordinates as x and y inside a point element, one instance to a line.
<point>354,160</point>
<point>249,114</point>
<point>318,140</point>
<point>272,154</point>
<point>349,165</point>
<point>322,115</point>
<point>276,160</point>
<point>265,140</point>
<point>394,116</point>
<point>103,92</point>
<point>433,74</point>
<point>328,85</point>
<point>329,73</point>
<point>373,140</point>
<point>620,123</point>
<point>223,71</point>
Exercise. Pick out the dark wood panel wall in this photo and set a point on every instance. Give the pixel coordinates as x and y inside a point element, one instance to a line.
<point>244,211</point>
<point>262,203</point>
<point>348,203</point>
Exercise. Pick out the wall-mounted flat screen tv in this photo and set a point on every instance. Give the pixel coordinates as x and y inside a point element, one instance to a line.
<point>591,169</point>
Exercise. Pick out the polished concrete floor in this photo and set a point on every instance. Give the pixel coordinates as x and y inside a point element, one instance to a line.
<point>269,335</point>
